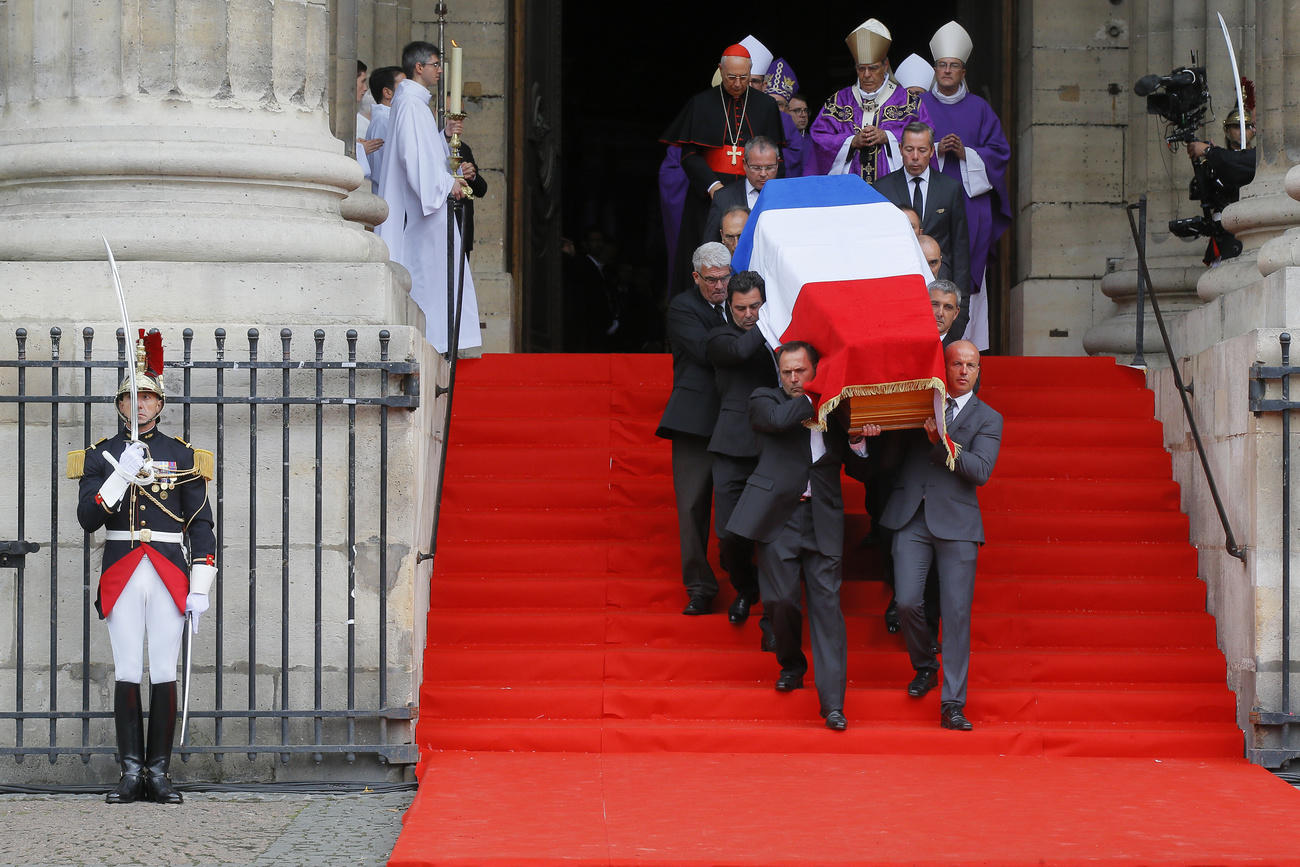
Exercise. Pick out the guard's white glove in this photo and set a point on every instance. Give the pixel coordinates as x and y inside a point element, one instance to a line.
<point>201,578</point>
<point>127,468</point>
<point>195,604</point>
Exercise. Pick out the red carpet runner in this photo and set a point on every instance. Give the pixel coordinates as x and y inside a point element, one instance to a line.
<point>569,712</point>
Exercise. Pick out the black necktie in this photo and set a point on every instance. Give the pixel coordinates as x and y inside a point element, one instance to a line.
<point>722,311</point>
<point>917,205</point>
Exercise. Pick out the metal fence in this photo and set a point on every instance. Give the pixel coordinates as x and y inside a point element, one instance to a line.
<point>300,661</point>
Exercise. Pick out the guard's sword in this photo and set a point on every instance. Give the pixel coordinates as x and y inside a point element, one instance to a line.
<point>189,665</point>
<point>1236,80</point>
<point>130,342</point>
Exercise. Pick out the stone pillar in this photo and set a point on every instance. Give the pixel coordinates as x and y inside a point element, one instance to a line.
<point>1166,35</point>
<point>1068,139</point>
<point>1277,115</point>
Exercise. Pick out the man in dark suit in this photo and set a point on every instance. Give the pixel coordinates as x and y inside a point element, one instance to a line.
<point>792,507</point>
<point>691,413</point>
<point>935,196</point>
<point>935,515</point>
<point>741,363</point>
<point>762,159</point>
<point>945,301</point>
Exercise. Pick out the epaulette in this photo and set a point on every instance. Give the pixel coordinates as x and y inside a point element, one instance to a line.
<point>182,442</point>
<point>205,462</point>
<point>77,463</point>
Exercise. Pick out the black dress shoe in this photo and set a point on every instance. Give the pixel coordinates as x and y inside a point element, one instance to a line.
<point>836,722</point>
<point>738,613</point>
<point>699,605</point>
<point>788,682</point>
<point>951,717</point>
<point>892,623</point>
<point>926,679</point>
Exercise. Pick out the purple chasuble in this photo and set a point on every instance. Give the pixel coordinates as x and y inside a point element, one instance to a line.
<point>841,118</point>
<point>989,213</point>
<point>673,185</point>
<point>794,153</point>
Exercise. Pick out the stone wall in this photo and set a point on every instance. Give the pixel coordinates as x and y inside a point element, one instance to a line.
<point>1069,134</point>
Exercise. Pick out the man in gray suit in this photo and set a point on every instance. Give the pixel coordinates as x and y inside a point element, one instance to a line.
<point>691,412</point>
<point>935,515</point>
<point>741,363</point>
<point>792,507</point>
<point>939,200</point>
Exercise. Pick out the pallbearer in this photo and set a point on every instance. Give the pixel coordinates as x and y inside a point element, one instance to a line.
<point>860,127</point>
<point>149,491</point>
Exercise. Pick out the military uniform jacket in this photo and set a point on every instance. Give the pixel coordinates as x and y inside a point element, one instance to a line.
<point>146,510</point>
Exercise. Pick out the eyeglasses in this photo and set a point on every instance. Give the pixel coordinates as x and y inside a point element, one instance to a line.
<point>763,170</point>
<point>436,64</point>
<point>798,111</point>
<point>950,64</point>
<point>716,281</point>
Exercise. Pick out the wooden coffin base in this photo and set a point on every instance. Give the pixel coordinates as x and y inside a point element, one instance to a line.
<point>904,409</point>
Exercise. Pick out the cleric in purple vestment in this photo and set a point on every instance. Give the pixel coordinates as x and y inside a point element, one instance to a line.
<point>782,84</point>
<point>859,128</point>
<point>970,147</point>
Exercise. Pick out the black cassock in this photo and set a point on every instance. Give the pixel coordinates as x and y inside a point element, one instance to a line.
<point>712,129</point>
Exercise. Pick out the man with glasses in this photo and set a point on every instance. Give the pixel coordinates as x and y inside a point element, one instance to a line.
<point>762,159</point>
<point>971,149</point>
<point>691,414</point>
<point>417,185</point>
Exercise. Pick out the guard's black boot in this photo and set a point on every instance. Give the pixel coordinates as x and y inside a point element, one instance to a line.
<point>162,730</point>
<point>130,743</point>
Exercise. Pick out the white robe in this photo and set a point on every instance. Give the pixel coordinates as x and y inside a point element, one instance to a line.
<point>379,116</point>
<point>416,183</point>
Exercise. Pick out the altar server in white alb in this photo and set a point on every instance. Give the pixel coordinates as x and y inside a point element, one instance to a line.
<point>417,184</point>
<point>149,492</point>
<point>969,146</point>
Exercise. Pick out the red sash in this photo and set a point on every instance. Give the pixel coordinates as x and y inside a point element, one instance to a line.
<point>115,577</point>
<point>721,163</point>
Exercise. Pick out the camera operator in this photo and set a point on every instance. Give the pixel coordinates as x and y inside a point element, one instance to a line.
<point>1231,167</point>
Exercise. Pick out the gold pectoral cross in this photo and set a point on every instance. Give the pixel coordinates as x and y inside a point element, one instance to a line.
<point>734,152</point>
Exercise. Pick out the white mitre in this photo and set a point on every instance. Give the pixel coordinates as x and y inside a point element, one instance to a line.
<point>759,54</point>
<point>951,40</point>
<point>915,72</point>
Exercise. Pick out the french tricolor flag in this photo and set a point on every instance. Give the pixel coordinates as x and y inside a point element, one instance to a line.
<point>845,273</point>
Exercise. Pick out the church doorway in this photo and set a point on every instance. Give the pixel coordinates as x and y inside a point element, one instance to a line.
<point>620,83</point>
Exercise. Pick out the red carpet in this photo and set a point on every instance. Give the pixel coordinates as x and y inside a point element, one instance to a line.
<point>570,712</point>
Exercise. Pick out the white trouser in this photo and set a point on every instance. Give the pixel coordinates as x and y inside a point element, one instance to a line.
<point>977,329</point>
<point>145,607</point>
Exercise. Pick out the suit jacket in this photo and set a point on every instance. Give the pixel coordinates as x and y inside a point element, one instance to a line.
<point>944,218</point>
<point>741,363</point>
<point>785,468</point>
<point>693,404</point>
<point>952,508</point>
<point>724,200</point>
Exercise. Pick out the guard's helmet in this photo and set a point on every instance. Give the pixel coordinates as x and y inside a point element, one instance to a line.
<point>148,372</point>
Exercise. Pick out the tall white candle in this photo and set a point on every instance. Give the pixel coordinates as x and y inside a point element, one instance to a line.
<point>454,103</point>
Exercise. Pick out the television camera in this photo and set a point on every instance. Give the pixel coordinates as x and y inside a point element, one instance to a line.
<point>1183,98</point>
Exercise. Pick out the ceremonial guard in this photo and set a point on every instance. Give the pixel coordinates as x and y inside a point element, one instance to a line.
<point>859,128</point>
<point>149,491</point>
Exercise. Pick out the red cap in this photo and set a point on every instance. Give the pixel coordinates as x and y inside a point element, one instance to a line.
<point>737,50</point>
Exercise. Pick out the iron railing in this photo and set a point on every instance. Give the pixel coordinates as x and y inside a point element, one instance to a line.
<point>338,396</point>
<point>1184,391</point>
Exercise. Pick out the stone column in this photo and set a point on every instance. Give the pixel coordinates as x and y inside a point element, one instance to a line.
<point>1166,35</point>
<point>1278,116</point>
<point>194,135</point>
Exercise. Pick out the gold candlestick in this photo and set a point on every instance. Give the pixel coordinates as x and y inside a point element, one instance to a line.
<point>455,160</point>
